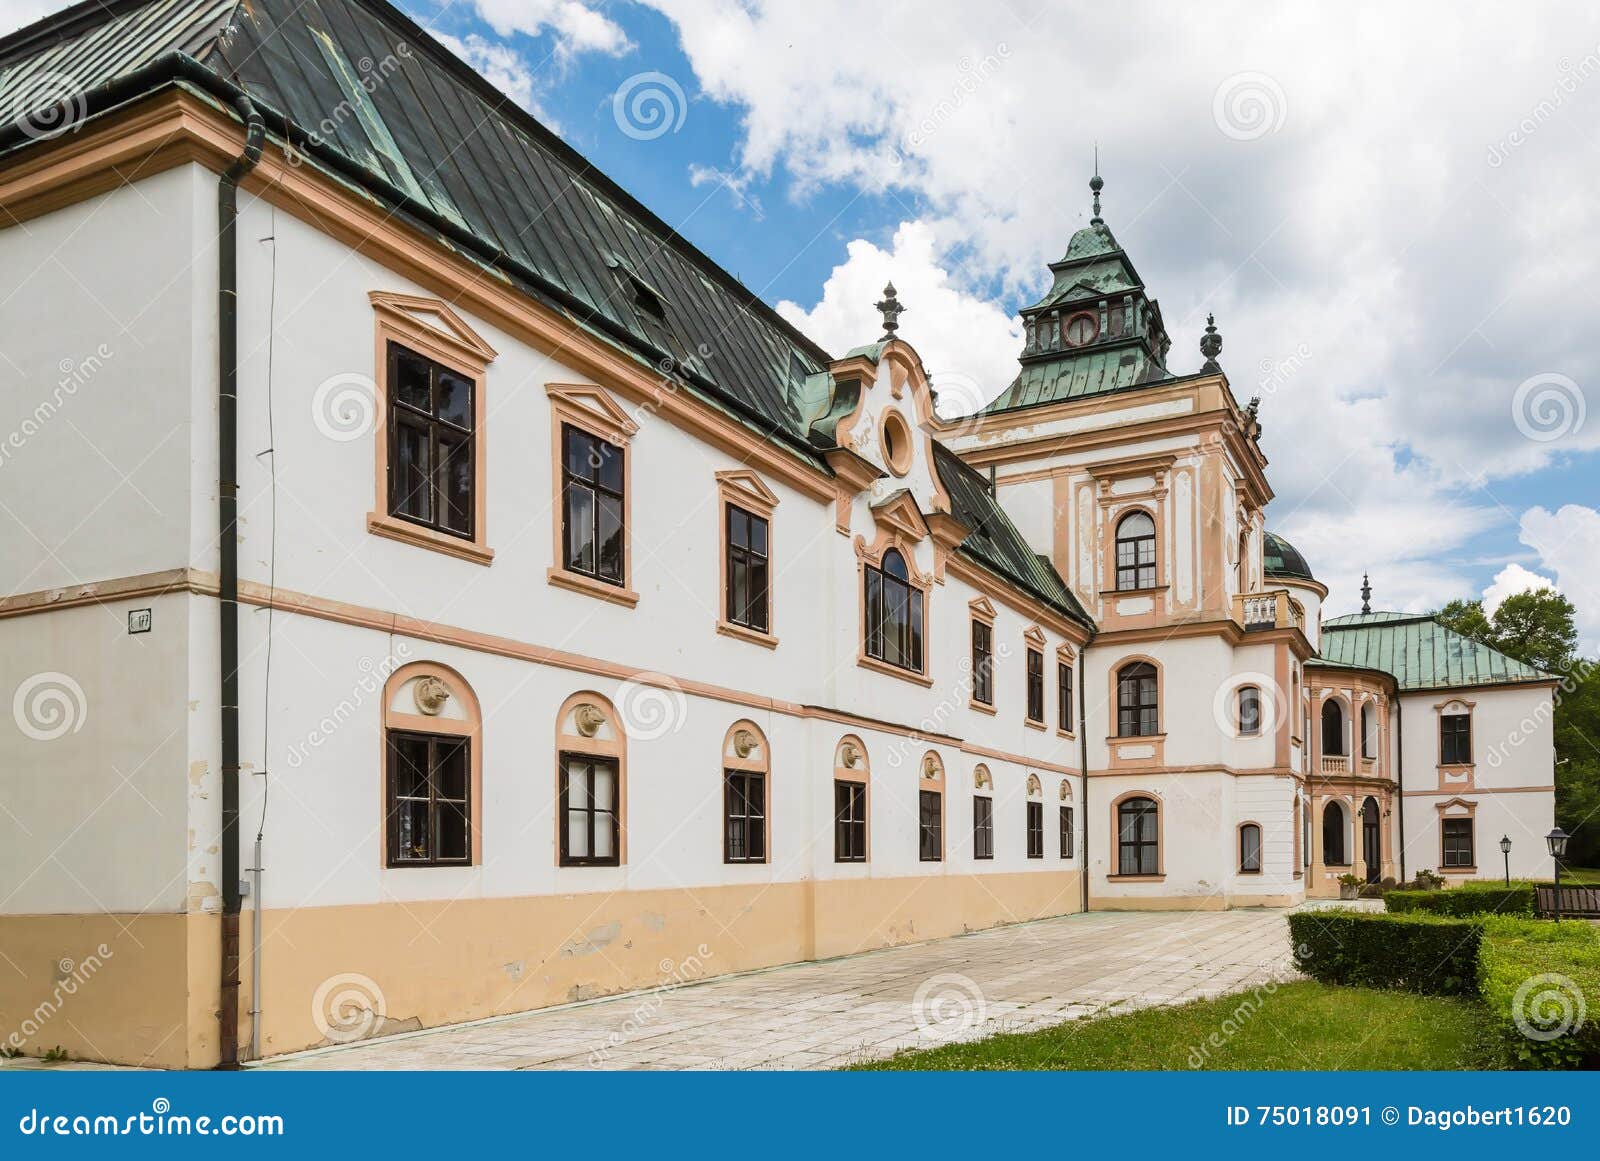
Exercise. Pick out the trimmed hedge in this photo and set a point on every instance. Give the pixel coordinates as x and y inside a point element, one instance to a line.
<point>1548,975</point>
<point>1414,952</point>
<point>1465,899</point>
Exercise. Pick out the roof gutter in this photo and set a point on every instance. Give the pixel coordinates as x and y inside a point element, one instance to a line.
<point>228,569</point>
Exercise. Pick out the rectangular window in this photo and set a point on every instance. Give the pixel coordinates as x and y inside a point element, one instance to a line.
<point>1035,686</point>
<point>982,827</point>
<point>745,812</point>
<point>1036,830</point>
<point>747,569</point>
<point>1066,832</point>
<point>1064,708</point>
<point>430,809</point>
<point>592,506</point>
<point>849,822</point>
<point>1458,843</point>
<point>894,614</point>
<point>589,827</point>
<point>930,826</point>
<point>1455,739</point>
<point>982,663</point>
<point>432,477</point>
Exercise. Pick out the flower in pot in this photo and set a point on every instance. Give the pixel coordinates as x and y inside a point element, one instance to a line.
<point>1349,886</point>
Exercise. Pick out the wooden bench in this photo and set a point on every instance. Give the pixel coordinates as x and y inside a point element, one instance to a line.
<point>1576,902</point>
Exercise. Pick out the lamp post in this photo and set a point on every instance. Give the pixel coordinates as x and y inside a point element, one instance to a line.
<point>1556,840</point>
<point>1505,849</point>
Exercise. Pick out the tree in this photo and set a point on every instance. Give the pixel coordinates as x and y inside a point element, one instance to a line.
<point>1535,627</point>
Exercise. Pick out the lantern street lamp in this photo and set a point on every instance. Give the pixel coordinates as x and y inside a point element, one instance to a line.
<point>1505,849</point>
<point>1556,840</point>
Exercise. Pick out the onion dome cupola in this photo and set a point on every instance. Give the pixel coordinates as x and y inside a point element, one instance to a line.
<point>1282,560</point>
<point>1095,329</point>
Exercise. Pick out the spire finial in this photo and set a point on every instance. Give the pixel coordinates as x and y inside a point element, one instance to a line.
<point>891,310</point>
<point>1211,345</point>
<point>1096,184</point>
<point>1366,593</point>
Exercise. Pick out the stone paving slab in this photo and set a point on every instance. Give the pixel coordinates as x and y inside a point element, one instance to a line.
<point>843,1011</point>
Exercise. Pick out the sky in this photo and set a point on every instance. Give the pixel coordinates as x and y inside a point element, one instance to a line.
<point>1389,208</point>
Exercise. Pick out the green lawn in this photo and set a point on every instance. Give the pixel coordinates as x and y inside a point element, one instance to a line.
<point>1587,875</point>
<point>1297,1026</point>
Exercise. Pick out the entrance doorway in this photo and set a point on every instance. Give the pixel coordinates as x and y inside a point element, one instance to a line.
<point>1371,844</point>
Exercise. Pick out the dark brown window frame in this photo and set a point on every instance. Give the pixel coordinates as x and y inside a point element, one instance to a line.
<point>752,824</point>
<point>403,416</point>
<point>567,859</point>
<point>982,826</point>
<point>1036,685</point>
<point>849,821</point>
<point>878,579</point>
<point>1463,826</point>
<point>930,834</point>
<point>1139,571</point>
<point>1131,715</point>
<point>755,562</point>
<point>1455,739</point>
<point>1146,811</point>
<point>1064,818</point>
<point>1035,829</point>
<point>434,814</point>
<point>1244,862</point>
<point>982,662</point>
<point>1249,725</point>
<point>571,484</point>
<point>1064,709</point>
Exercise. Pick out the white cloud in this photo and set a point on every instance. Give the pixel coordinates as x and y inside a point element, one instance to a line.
<point>1508,582</point>
<point>502,67</point>
<point>577,27</point>
<point>968,344</point>
<point>1568,543</point>
<point>1416,243</point>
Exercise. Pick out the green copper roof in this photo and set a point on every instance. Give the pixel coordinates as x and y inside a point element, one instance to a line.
<point>1280,558</point>
<point>1091,241</point>
<point>995,543</point>
<point>1419,652</point>
<point>1088,373</point>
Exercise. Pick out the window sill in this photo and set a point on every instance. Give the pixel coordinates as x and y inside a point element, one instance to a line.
<point>1067,734</point>
<point>1137,878</point>
<point>1124,739</point>
<point>981,707</point>
<point>1146,592</point>
<point>588,586</point>
<point>417,536</point>
<point>884,667</point>
<point>745,633</point>
<point>1473,870</point>
<point>1457,767</point>
<point>1034,724</point>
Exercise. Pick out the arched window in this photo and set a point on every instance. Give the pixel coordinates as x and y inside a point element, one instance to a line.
<point>589,782</point>
<point>1332,728</point>
<point>930,809</point>
<point>1136,552</point>
<point>1138,837</point>
<point>432,769</point>
<point>1138,708</point>
<point>851,773</point>
<point>1250,849</point>
<point>744,795</point>
<point>982,813</point>
<point>1333,850</point>
<point>1369,730</point>
<point>894,613</point>
<point>1249,711</point>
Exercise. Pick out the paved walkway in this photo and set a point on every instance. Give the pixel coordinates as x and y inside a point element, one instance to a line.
<point>829,1014</point>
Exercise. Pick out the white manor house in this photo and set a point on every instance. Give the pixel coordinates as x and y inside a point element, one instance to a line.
<point>433,589</point>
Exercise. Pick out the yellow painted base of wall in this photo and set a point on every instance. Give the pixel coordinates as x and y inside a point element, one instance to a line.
<point>338,973</point>
<point>1187,902</point>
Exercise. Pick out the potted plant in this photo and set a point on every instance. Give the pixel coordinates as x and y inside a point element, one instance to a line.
<point>1349,886</point>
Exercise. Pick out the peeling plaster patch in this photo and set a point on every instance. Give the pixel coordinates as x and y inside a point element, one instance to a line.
<point>383,1026</point>
<point>653,922</point>
<point>203,897</point>
<point>597,940</point>
<point>587,992</point>
<point>197,771</point>
<point>514,970</point>
<point>194,705</point>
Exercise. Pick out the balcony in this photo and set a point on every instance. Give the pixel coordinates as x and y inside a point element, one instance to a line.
<point>1273,609</point>
<point>1335,764</point>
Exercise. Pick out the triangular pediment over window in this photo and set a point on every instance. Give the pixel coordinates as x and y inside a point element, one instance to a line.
<point>441,323</point>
